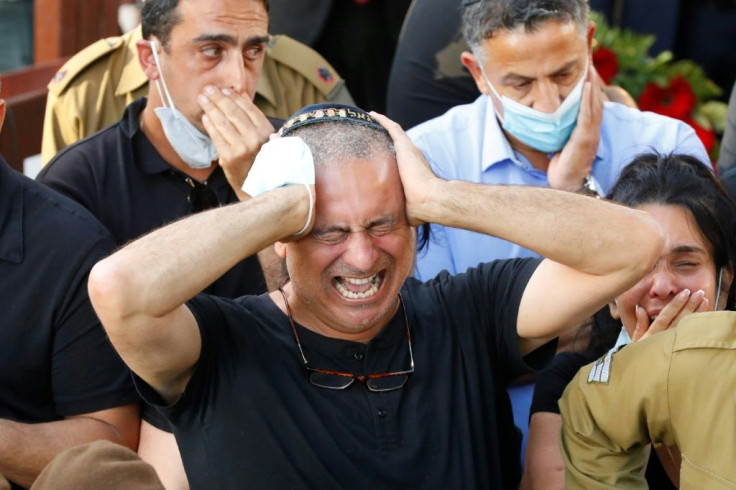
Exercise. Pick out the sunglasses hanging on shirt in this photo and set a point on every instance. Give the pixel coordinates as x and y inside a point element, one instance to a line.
<point>201,196</point>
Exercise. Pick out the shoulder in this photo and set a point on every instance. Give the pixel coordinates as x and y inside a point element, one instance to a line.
<point>459,118</point>
<point>285,52</point>
<point>627,120</point>
<point>61,220</point>
<point>628,132</point>
<point>96,54</point>
<point>81,61</point>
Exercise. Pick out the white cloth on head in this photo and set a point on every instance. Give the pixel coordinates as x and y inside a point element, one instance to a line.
<point>281,161</point>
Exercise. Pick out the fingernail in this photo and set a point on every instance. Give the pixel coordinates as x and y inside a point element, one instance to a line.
<point>210,90</point>
<point>684,293</point>
<point>203,99</point>
<point>227,91</point>
<point>699,293</point>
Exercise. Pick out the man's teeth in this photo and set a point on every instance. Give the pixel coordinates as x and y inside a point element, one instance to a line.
<point>374,280</point>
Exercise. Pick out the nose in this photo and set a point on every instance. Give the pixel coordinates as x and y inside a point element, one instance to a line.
<point>236,77</point>
<point>360,251</point>
<point>546,97</point>
<point>663,284</point>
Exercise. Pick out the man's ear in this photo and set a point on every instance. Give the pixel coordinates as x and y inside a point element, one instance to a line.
<point>146,59</point>
<point>613,309</point>
<point>2,113</point>
<point>280,248</point>
<point>591,37</point>
<point>472,63</point>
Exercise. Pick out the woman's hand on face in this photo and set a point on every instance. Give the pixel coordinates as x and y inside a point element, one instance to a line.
<point>682,304</point>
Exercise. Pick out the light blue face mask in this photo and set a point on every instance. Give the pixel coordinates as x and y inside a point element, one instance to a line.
<point>191,144</point>
<point>539,130</point>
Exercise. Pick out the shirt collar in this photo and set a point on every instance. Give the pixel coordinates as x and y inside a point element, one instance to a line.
<point>11,214</point>
<point>145,155</point>
<point>496,148</point>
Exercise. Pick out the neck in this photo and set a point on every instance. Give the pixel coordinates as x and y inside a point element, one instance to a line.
<point>538,159</point>
<point>151,127</point>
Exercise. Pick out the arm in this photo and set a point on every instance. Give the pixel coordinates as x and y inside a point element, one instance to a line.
<point>595,249</point>
<point>26,448</point>
<point>544,467</point>
<point>139,292</point>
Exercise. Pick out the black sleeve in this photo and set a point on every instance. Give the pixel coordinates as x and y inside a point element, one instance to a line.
<point>87,373</point>
<point>552,381</point>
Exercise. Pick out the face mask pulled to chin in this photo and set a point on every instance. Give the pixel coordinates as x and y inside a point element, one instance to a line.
<point>193,146</point>
<point>539,130</point>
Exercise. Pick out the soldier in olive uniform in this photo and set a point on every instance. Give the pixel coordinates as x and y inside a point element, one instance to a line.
<point>674,389</point>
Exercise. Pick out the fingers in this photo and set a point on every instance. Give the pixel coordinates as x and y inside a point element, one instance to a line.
<point>693,304</point>
<point>642,324</point>
<point>681,305</point>
<point>234,123</point>
<point>237,128</point>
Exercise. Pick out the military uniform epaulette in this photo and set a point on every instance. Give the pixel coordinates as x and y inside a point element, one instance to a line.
<point>305,61</point>
<point>80,61</point>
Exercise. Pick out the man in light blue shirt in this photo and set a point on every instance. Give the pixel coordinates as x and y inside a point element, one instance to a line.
<point>542,120</point>
<point>545,68</point>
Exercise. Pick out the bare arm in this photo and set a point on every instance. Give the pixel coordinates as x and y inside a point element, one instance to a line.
<point>139,292</point>
<point>594,249</point>
<point>26,448</point>
<point>544,468</point>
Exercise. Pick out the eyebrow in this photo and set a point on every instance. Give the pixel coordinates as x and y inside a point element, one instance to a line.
<point>386,220</point>
<point>516,77</point>
<point>227,39</point>
<point>687,249</point>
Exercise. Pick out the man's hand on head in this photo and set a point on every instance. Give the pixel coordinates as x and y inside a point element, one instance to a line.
<point>237,128</point>
<point>417,177</point>
<point>568,168</point>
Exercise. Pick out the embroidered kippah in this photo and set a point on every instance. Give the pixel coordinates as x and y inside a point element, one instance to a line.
<point>328,112</point>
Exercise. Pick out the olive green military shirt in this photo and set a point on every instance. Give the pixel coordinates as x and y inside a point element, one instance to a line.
<point>677,388</point>
<point>93,88</point>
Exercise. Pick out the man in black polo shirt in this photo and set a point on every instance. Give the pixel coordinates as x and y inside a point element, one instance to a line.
<point>352,374</point>
<point>61,382</point>
<point>186,148</point>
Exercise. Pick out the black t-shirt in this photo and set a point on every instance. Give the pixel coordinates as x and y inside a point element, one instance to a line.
<point>249,417</point>
<point>120,177</point>
<point>55,360</point>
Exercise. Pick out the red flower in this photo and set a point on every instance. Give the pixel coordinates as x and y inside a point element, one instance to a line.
<point>606,63</point>
<point>707,136</point>
<point>677,100</point>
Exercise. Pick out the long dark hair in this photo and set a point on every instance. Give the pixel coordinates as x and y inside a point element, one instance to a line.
<point>678,180</point>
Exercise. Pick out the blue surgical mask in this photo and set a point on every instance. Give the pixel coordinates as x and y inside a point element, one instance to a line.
<point>539,130</point>
<point>191,144</point>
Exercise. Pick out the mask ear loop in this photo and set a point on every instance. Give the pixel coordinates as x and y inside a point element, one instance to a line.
<point>166,100</point>
<point>718,289</point>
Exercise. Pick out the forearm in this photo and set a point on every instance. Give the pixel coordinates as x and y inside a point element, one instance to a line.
<point>162,270</point>
<point>26,448</point>
<point>603,238</point>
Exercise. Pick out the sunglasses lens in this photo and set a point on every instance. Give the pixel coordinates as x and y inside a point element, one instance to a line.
<point>387,383</point>
<point>330,381</point>
<point>202,197</point>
